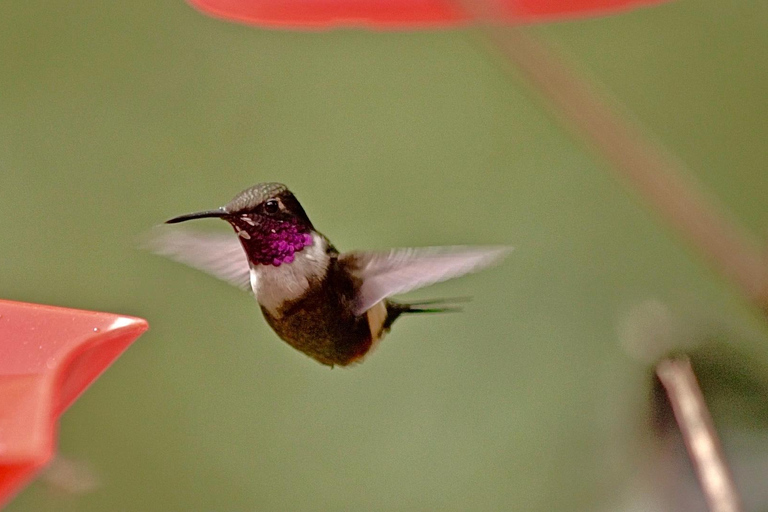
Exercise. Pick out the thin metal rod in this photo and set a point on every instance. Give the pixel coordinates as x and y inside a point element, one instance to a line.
<point>695,422</point>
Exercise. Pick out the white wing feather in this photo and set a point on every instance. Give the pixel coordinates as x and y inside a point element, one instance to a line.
<point>218,254</point>
<point>384,274</point>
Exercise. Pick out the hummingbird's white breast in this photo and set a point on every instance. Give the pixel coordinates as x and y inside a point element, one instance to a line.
<point>273,285</point>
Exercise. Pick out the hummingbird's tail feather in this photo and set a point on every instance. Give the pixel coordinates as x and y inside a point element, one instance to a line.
<point>431,302</point>
<point>395,309</point>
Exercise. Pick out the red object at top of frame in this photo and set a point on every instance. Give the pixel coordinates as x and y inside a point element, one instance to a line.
<point>48,357</point>
<point>402,14</point>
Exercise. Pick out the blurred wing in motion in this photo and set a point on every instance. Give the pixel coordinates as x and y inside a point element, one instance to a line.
<point>384,274</point>
<point>218,254</point>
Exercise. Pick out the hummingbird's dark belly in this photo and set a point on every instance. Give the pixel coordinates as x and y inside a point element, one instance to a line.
<point>320,325</point>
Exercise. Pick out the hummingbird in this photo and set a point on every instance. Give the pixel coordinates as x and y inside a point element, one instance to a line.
<point>334,307</point>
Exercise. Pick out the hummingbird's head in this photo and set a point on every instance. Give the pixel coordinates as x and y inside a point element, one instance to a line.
<point>269,220</point>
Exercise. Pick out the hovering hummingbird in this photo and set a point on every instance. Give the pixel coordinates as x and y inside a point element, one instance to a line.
<point>332,306</point>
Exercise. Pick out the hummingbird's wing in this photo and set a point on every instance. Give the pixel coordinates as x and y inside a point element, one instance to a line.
<point>218,254</point>
<point>383,274</point>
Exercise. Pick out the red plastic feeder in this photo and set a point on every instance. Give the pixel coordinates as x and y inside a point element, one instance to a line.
<point>403,14</point>
<point>48,356</point>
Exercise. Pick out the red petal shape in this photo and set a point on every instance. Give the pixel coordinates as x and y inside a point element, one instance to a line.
<point>401,13</point>
<point>48,356</point>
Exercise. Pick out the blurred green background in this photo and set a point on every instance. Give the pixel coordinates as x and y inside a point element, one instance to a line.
<point>117,115</point>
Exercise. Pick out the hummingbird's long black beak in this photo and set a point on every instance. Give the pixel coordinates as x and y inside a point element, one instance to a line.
<point>220,212</point>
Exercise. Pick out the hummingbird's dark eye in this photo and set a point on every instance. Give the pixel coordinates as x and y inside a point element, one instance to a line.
<point>271,207</point>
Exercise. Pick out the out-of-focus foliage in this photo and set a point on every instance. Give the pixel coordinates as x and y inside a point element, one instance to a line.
<point>116,116</point>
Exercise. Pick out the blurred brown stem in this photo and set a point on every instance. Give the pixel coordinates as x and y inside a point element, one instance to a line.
<point>656,175</point>
<point>695,422</point>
